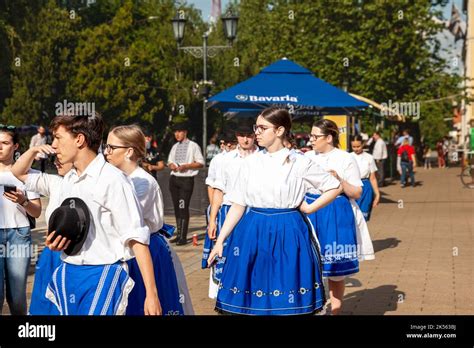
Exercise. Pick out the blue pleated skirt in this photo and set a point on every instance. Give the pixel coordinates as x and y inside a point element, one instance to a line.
<point>165,277</point>
<point>366,199</point>
<point>90,289</point>
<point>209,244</point>
<point>48,261</point>
<point>335,227</point>
<point>271,266</point>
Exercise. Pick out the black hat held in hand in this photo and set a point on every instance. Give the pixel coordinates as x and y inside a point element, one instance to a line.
<point>71,220</point>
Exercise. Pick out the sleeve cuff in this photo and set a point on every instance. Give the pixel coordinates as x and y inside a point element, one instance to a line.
<point>237,198</point>
<point>141,235</point>
<point>218,185</point>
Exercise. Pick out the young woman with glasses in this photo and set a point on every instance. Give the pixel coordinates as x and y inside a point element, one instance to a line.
<point>272,264</point>
<point>336,224</point>
<point>125,149</point>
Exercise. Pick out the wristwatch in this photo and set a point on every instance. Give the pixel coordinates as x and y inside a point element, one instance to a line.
<point>25,203</point>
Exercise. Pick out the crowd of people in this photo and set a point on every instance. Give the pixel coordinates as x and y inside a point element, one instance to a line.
<point>284,227</point>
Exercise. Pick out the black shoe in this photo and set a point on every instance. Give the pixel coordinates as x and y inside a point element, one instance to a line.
<point>183,240</point>
<point>176,237</point>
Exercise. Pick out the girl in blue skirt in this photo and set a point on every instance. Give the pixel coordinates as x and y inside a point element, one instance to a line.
<point>335,225</point>
<point>224,181</point>
<point>370,191</point>
<point>125,148</point>
<point>272,264</point>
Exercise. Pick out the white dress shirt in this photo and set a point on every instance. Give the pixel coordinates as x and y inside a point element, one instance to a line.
<point>193,154</point>
<point>116,216</point>
<point>380,150</point>
<point>13,215</point>
<point>37,140</point>
<point>226,179</point>
<point>150,197</point>
<point>366,163</point>
<point>278,180</point>
<point>341,162</point>
<point>214,168</point>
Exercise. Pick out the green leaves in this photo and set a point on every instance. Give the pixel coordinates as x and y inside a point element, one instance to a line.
<point>114,55</point>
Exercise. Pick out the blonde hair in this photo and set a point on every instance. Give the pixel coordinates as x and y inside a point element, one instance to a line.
<point>132,136</point>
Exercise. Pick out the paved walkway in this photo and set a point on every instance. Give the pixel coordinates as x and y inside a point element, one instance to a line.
<point>423,238</point>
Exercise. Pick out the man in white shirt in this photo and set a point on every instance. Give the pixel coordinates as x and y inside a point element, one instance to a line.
<point>37,140</point>
<point>117,230</point>
<point>184,161</point>
<point>380,155</point>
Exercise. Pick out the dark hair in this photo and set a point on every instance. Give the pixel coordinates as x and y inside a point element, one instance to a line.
<point>357,138</point>
<point>328,127</point>
<point>92,127</point>
<point>13,132</point>
<point>278,117</point>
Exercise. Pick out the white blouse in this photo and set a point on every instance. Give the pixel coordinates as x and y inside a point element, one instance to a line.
<point>341,162</point>
<point>13,215</point>
<point>226,178</point>
<point>214,168</point>
<point>150,197</point>
<point>366,163</point>
<point>278,180</point>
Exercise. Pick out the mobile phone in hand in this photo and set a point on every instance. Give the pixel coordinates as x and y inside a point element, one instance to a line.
<point>9,189</point>
<point>214,261</point>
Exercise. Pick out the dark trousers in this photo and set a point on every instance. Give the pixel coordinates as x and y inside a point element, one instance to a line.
<point>380,172</point>
<point>181,189</point>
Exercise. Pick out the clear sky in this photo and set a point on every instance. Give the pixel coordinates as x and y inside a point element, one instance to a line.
<point>205,6</point>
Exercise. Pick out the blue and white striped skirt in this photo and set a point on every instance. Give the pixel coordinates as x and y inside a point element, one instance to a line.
<point>90,289</point>
<point>165,278</point>
<point>366,199</point>
<point>335,227</point>
<point>209,244</point>
<point>272,266</point>
<point>48,261</point>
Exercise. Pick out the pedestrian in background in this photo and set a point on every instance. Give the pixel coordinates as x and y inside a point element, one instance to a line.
<point>38,139</point>
<point>440,152</point>
<point>184,160</point>
<point>407,161</point>
<point>380,155</point>
<point>212,150</point>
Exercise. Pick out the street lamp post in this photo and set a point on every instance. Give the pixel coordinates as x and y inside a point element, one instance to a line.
<point>230,29</point>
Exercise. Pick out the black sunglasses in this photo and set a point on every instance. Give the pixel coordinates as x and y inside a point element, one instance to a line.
<point>5,126</point>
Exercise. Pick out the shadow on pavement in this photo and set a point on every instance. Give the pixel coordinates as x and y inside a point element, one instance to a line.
<point>377,301</point>
<point>381,244</point>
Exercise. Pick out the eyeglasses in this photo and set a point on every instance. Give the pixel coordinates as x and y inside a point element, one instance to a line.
<point>110,148</point>
<point>5,126</point>
<point>260,129</point>
<point>316,136</point>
